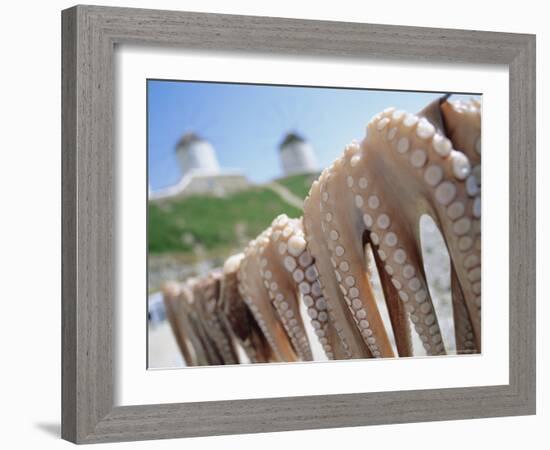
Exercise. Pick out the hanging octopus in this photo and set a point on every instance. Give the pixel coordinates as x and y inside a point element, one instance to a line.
<point>363,211</point>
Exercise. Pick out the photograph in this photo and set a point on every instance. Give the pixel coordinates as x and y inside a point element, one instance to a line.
<point>258,225</point>
<point>311,223</point>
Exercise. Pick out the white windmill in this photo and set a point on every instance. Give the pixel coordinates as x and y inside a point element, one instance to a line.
<point>297,155</point>
<point>194,152</point>
<point>201,172</point>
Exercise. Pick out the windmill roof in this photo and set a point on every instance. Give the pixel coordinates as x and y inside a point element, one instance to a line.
<point>187,139</point>
<point>290,138</point>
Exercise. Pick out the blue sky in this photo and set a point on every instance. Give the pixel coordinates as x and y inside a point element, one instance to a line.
<point>246,123</point>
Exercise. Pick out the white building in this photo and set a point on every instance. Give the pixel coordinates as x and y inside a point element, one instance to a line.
<point>201,172</point>
<point>297,155</point>
<point>194,152</point>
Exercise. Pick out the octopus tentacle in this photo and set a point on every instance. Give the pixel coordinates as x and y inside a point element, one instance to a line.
<point>256,297</point>
<point>284,266</point>
<point>462,323</point>
<point>344,237</point>
<point>436,174</point>
<point>238,317</point>
<point>388,225</point>
<point>463,124</point>
<point>399,317</point>
<point>272,292</point>
<point>344,336</point>
<point>179,316</point>
<point>207,292</point>
<point>207,349</point>
<point>189,323</point>
<point>298,274</point>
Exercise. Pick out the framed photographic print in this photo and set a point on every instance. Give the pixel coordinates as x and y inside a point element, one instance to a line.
<point>295,208</point>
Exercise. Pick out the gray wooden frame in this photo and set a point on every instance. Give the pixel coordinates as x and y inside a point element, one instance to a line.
<point>89,35</point>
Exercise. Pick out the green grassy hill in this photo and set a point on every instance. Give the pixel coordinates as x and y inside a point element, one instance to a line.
<point>298,184</point>
<point>215,224</point>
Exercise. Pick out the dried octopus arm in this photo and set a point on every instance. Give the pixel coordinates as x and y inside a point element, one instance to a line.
<point>343,233</point>
<point>342,333</point>
<point>462,121</point>
<point>207,347</point>
<point>238,317</point>
<point>187,325</point>
<point>462,324</point>
<point>225,338</point>
<point>206,292</point>
<point>179,323</point>
<point>429,167</point>
<point>289,274</point>
<point>255,291</point>
<point>287,267</point>
<point>203,346</point>
<point>399,317</point>
<point>188,322</point>
<point>257,341</point>
<point>392,199</point>
<point>462,125</point>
